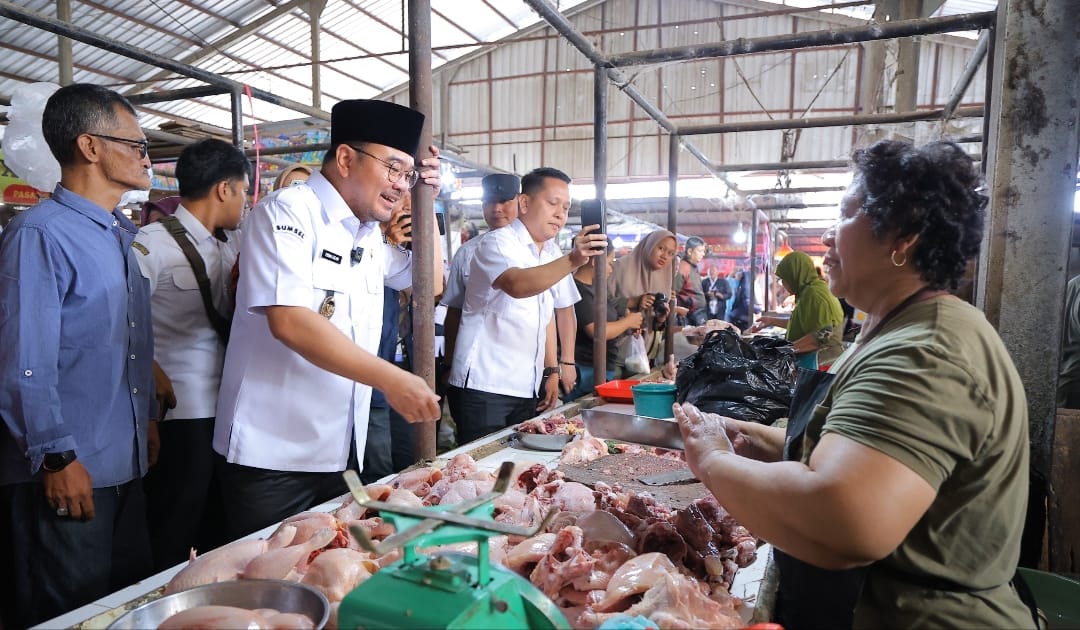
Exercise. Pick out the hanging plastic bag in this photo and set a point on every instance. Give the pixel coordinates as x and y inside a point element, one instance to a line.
<point>637,357</point>
<point>750,381</point>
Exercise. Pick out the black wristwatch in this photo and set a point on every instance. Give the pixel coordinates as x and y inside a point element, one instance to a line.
<point>55,462</point>
<point>548,371</point>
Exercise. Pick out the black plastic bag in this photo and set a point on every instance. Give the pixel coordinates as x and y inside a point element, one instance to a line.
<point>750,381</point>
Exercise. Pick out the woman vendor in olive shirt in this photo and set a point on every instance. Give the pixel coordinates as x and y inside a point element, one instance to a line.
<point>897,496</point>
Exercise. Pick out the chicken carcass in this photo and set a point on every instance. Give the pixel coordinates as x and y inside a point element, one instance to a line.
<point>635,576</point>
<point>574,497</point>
<point>582,451</point>
<point>677,602</point>
<point>214,617</point>
<point>336,572</point>
<point>417,481</point>
<point>564,563</point>
<point>524,556</point>
<point>225,563</point>
<point>287,563</point>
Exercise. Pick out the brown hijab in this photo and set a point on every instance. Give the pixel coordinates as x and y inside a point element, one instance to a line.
<point>633,276</point>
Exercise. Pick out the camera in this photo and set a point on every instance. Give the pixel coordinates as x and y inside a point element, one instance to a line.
<point>659,306</point>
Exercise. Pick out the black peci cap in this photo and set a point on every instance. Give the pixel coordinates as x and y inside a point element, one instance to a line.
<point>379,122</point>
<point>499,187</point>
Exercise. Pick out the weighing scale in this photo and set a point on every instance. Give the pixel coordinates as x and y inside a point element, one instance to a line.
<point>448,589</point>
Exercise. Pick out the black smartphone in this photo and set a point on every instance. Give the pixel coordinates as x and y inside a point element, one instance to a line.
<point>592,213</point>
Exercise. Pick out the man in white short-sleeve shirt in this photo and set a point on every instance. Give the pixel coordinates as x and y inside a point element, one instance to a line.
<point>189,352</point>
<point>505,363</point>
<point>500,199</point>
<point>301,362</point>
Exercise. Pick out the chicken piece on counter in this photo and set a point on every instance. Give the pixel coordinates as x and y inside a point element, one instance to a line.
<point>564,563</point>
<point>583,450</point>
<point>215,617</point>
<point>287,563</point>
<point>524,556</point>
<point>227,562</point>
<point>336,572</point>
<point>574,497</point>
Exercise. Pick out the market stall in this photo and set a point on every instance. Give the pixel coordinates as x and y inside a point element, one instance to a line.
<point>489,454</point>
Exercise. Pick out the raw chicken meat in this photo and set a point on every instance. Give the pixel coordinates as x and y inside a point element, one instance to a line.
<point>417,481</point>
<point>337,572</point>
<point>307,524</point>
<point>225,563</point>
<point>524,556</point>
<point>214,617</point>
<point>675,601</point>
<point>401,496</point>
<point>574,497</point>
<point>289,562</point>
<point>564,563</point>
<point>636,576</point>
<point>460,467</point>
<point>582,451</point>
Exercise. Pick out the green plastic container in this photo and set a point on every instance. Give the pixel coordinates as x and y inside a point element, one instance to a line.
<point>1057,596</point>
<point>653,399</point>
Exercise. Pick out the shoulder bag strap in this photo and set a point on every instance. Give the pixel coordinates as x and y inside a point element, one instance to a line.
<point>219,322</point>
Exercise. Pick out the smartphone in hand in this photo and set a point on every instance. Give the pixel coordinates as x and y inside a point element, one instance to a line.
<point>593,213</point>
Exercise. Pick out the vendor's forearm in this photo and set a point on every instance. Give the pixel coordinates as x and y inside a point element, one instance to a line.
<point>313,337</point>
<point>566,326</point>
<point>787,504</point>
<point>521,282</point>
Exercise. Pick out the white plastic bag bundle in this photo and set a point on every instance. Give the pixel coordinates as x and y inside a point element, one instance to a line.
<point>637,357</point>
<point>25,151</point>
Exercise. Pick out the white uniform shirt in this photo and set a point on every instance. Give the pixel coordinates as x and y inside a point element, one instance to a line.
<point>565,293</point>
<point>502,339</point>
<point>277,410</point>
<point>186,346</point>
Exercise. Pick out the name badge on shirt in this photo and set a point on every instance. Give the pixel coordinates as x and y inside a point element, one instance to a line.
<point>328,306</point>
<point>331,256</point>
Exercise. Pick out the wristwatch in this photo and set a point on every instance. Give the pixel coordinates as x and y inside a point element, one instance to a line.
<point>548,371</point>
<point>55,462</point>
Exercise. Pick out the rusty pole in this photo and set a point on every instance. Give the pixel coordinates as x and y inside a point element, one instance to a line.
<point>600,288</point>
<point>674,143</point>
<point>423,217</point>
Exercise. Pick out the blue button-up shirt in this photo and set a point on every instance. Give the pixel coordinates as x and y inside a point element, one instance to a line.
<point>76,343</point>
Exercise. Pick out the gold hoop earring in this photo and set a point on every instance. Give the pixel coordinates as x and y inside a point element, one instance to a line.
<point>892,257</point>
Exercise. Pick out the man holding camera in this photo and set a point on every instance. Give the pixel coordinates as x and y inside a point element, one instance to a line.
<point>507,325</point>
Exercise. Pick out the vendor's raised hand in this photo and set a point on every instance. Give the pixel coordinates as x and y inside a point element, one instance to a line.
<point>411,397</point>
<point>589,242</point>
<point>430,173</point>
<point>551,395</point>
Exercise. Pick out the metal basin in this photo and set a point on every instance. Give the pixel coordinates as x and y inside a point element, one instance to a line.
<point>289,597</point>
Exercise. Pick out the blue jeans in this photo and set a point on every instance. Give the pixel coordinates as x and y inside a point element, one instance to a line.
<point>584,384</point>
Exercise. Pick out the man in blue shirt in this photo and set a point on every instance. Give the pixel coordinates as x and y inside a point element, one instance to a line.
<point>76,387</point>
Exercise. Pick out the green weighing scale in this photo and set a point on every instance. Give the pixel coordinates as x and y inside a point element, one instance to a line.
<point>449,589</point>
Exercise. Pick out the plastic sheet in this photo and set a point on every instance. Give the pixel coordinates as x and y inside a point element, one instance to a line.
<point>750,381</point>
<point>25,150</point>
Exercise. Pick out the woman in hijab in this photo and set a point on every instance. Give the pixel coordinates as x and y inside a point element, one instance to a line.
<point>294,173</point>
<point>816,322</point>
<point>641,276</point>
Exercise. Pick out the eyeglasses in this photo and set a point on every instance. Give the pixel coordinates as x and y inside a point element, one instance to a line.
<point>143,146</point>
<point>394,172</point>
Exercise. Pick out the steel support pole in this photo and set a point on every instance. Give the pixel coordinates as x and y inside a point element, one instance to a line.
<point>805,165</point>
<point>45,23</point>
<point>752,286</point>
<point>166,96</point>
<point>599,263</point>
<point>236,100</point>
<point>809,39</point>
<point>1031,169</point>
<point>674,142</point>
<point>967,75</point>
<point>423,218</point>
<point>315,9</point>
<point>563,26</point>
<point>907,61</point>
<point>63,44</point>
<point>830,121</point>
